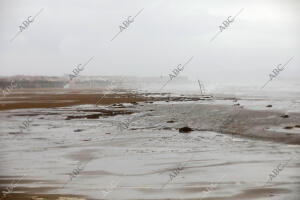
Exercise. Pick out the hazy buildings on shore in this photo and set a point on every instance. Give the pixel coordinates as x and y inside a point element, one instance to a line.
<point>86,81</point>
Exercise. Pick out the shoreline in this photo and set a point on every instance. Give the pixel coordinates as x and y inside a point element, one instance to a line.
<point>227,119</point>
<point>79,131</point>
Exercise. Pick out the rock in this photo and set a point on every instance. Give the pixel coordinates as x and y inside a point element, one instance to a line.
<point>107,133</point>
<point>185,129</point>
<point>171,121</point>
<point>288,127</point>
<point>284,116</point>
<point>118,105</point>
<point>269,106</point>
<point>93,116</point>
<point>78,130</point>
<point>297,126</point>
<point>15,132</point>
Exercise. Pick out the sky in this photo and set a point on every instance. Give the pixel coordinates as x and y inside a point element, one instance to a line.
<point>165,34</point>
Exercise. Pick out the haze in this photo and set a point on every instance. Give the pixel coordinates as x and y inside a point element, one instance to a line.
<point>163,35</point>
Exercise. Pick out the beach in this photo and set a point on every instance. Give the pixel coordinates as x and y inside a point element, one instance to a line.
<point>129,146</point>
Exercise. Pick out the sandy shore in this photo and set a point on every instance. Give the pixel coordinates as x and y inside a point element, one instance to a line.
<point>51,98</point>
<point>134,144</point>
<point>227,119</point>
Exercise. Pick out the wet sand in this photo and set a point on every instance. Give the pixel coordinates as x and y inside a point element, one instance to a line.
<point>249,123</point>
<point>51,98</point>
<point>232,157</point>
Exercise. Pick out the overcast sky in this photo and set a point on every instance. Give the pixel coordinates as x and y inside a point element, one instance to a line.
<point>166,33</point>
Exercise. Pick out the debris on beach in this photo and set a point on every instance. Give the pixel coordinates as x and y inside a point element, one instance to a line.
<point>284,116</point>
<point>118,105</point>
<point>185,129</point>
<point>78,130</point>
<point>103,113</point>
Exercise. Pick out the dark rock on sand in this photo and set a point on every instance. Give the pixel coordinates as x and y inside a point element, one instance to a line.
<point>93,116</point>
<point>297,126</point>
<point>103,113</point>
<point>118,105</point>
<point>269,106</point>
<point>171,121</point>
<point>288,127</point>
<point>284,116</point>
<point>78,130</point>
<point>185,129</point>
<point>15,133</point>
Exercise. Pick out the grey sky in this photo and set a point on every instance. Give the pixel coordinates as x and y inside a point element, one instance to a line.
<point>165,34</point>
